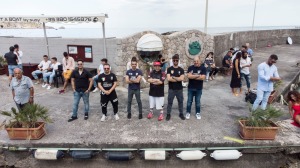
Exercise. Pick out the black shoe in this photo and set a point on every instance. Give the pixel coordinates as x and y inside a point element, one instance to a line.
<point>140,116</point>
<point>129,115</point>
<point>168,117</point>
<point>86,116</point>
<point>72,119</point>
<point>181,116</point>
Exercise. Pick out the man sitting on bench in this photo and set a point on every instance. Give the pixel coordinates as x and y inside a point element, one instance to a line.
<point>227,63</point>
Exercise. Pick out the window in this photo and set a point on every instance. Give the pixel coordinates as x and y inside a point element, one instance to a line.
<point>83,52</point>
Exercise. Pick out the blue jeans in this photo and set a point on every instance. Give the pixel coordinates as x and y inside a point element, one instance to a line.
<point>51,75</point>
<point>171,95</point>
<point>85,97</point>
<point>36,73</point>
<point>11,69</point>
<point>191,94</point>
<point>95,79</point>
<point>137,94</point>
<point>261,96</point>
<point>247,79</point>
<point>20,66</point>
<point>207,74</point>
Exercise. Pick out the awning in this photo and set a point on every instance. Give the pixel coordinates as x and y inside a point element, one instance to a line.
<point>55,19</point>
<point>149,42</point>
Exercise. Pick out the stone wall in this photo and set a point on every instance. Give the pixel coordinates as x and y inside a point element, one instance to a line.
<point>257,39</point>
<point>172,44</point>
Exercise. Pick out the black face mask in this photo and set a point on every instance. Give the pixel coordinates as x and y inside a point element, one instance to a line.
<point>244,57</point>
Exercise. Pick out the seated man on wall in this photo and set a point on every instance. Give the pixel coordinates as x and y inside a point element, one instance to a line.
<point>227,62</point>
<point>51,72</point>
<point>68,67</point>
<point>42,68</point>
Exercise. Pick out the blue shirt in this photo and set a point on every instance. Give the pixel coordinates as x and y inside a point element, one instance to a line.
<point>22,89</point>
<point>265,72</point>
<point>250,52</point>
<point>132,75</point>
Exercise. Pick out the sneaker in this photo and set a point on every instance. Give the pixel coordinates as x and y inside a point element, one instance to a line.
<point>129,115</point>
<point>168,117</point>
<point>161,117</point>
<point>44,85</point>
<point>49,87</point>
<point>187,116</point>
<point>198,116</point>
<point>140,116</point>
<point>150,115</point>
<point>61,91</point>
<point>95,90</point>
<point>72,119</point>
<point>103,118</point>
<point>206,80</point>
<point>181,116</point>
<point>86,116</point>
<point>116,117</point>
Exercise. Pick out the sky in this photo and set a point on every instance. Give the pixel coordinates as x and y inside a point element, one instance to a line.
<point>164,13</point>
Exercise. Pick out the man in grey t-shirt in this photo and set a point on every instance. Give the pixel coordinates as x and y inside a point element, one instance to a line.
<point>22,89</point>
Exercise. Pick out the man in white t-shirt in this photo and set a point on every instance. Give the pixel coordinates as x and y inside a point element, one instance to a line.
<point>42,68</point>
<point>245,65</point>
<point>51,72</point>
<point>19,54</point>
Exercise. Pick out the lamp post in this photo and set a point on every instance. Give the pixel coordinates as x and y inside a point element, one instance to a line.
<point>206,13</point>
<point>254,15</point>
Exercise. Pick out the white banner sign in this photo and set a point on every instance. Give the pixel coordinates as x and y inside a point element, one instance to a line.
<point>54,19</point>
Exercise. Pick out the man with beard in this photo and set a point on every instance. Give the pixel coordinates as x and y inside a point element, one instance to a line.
<point>245,64</point>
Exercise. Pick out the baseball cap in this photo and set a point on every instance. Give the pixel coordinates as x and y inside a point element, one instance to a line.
<point>156,63</point>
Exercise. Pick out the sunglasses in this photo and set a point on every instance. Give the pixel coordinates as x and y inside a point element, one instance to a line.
<point>80,64</point>
<point>175,60</point>
<point>106,68</point>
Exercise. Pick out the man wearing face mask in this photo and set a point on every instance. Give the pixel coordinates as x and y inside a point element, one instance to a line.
<point>245,64</point>
<point>267,75</point>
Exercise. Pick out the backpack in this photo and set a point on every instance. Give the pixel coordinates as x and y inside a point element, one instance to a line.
<point>250,97</point>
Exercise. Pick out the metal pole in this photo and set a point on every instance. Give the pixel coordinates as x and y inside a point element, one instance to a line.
<point>254,16</point>
<point>206,13</point>
<point>46,38</point>
<point>104,40</point>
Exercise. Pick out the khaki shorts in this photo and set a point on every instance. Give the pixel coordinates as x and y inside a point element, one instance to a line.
<point>67,74</point>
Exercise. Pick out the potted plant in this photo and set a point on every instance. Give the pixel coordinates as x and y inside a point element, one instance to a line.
<point>274,92</point>
<point>260,124</point>
<point>3,65</point>
<point>28,123</point>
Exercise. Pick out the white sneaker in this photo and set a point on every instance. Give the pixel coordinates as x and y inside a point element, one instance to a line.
<point>198,116</point>
<point>187,116</point>
<point>117,117</point>
<point>103,118</point>
<point>95,90</point>
<point>49,87</point>
<point>44,85</point>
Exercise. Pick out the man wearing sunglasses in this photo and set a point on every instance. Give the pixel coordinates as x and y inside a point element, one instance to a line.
<point>82,82</point>
<point>107,82</point>
<point>267,75</point>
<point>196,75</point>
<point>175,76</point>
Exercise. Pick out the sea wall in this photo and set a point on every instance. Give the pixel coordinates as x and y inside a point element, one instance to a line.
<point>257,39</point>
<point>34,48</point>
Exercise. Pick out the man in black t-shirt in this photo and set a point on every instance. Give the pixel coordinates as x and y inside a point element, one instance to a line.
<point>133,78</point>
<point>175,76</point>
<point>12,62</point>
<point>82,82</point>
<point>107,82</point>
<point>196,75</point>
<point>156,93</point>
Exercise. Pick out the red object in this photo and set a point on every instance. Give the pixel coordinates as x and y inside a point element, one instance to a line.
<point>156,63</point>
<point>296,109</point>
<point>161,117</point>
<point>150,115</point>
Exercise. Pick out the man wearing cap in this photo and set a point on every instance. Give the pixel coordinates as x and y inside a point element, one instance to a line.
<point>196,75</point>
<point>175,76</point>
<point>156,92</point>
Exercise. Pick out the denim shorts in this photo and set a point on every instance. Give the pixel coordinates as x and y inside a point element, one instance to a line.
<point>11,69</point>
